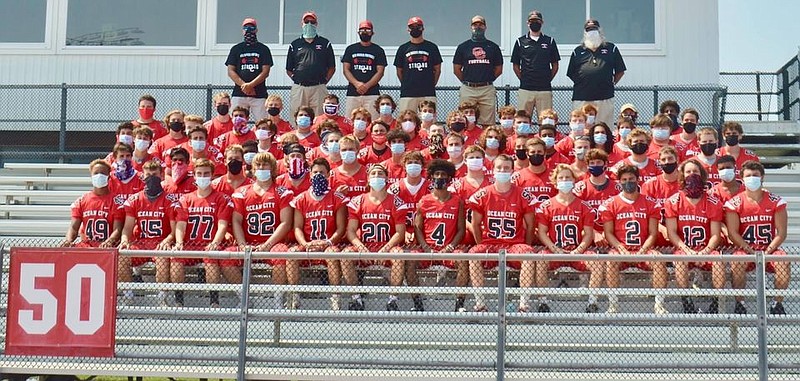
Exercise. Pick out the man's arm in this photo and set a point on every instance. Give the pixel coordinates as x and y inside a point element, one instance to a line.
<point>553,70</point>
<point>617,76</point>
<point>437,71</point>
<point>457,71</point>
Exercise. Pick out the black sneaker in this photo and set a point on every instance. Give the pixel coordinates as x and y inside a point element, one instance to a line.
<point>543,307</point>
<point>740,308</point>
<point>356,305</point>
<point>592,308</point>
<point>713,308</point>
<point>688,305</point>
<point>460,304</point>
<point>777,309</point>
<point>392,306</point>
<point>137,278</point>
<point>418,306</point>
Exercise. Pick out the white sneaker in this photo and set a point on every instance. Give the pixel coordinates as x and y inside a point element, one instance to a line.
<point>659,309</point>
<point>613,308</point>
<point>162,299</point>
<point>335,302</point>
<point>294,302</point>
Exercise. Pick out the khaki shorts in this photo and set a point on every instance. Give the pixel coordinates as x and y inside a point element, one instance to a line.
<point>365,101</point>
<point>485,97</point>
<point>528,100</point>
<point>311,96</point>
<point>605,110</point>
<point>409,103</point>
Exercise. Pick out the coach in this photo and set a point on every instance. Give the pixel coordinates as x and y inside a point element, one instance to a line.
<point>310,64</point>
<point>477,63</point>
<point>535,58</point>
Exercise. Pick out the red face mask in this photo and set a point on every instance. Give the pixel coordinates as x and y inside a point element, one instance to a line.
<point>146,113</point>
<point>379,139</point>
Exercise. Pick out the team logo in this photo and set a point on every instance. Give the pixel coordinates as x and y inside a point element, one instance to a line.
<point>603,51</point>
<point>479,53</point>
<point>318,47</point>
<point>544,46</point>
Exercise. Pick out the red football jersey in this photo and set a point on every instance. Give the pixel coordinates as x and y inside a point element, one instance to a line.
<point>756,220</point>
<point>230,138</point>
<point>221,184</point>
<point>357,183</point>
<point>565,222</point>
<point>410,197</point>
<point>631,218</point>
<point>161,148</point>
<point>138,164</point>
<point>97,215</point>
<point>440,219</point>
<point>565,146</point>
<point>175,191</point>
<point>694,221</point>
<point>472,136</point>
<point>419,142</point>
<point>713,173</point>
<point>654,149</point>
<point>368,156</point>
<point>123,190</point>
<point>744,155</point>
<point>261,214</point>
<point>344,124</point>
<point>503,214</point>
<point>319,217</point>
<point>285,181</point>
<point>691,148</point>
<point>310,141</point>
<point>396,171</point>
<point>156,125</point>
<point>647,170</point>
<point>376,222</point>
<point>152,217</point>
<point>720,192</point>
<point>202,214</point>
<point>216,128</point>
<point>536,184</point>
<point>595,196</point>
<point>660,189</point>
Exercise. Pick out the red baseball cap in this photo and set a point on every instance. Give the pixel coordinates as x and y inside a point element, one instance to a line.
<point>366,24</point>
<point>250,21</point>
<point>309,14</point>
<point>416,20</point>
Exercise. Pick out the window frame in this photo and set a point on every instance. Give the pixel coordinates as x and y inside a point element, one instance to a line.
<point>45,47</point>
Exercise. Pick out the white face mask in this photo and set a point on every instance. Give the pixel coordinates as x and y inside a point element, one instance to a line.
<point>263,174</point>
<point>474,163</point>
<point>471,119</point>
<point>454,151</point>
<point>198,145</point>
<point>99,180</point>
<point>408,126</point>
<point>360,125</point>
<point>127,139</point>
<point>348,156</point>
<point>263,134</point>
<point>141,144</point>
<point>202,182</point>
<point>426,116</point>
<point>591,118</point>
<point>727,174</point>
<point>413,169</point>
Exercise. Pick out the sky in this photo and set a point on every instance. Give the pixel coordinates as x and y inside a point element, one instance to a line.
<point>757,34</point>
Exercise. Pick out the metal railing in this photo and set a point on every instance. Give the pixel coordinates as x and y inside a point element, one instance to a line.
<point>764,95</point>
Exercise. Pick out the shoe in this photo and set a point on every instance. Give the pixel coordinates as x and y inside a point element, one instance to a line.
<point>777,309</point>
<point>713,308</point>
<point>524,308</point>
<point>162,299</point>
<point>543,307</point>
<point>392,306</point>
<point>418,306</point>
<point>356,305</point>
<point>659,309</point>
<point>688,305</point>
<point>137,278</point>
<point>214,305</point>
<point>740,308</point>
<point>335,302</point>
<point>592,308</point>
<point>612,308</point>
<point>460,305</point>
<point>294,302</point>
<point>480,308</point>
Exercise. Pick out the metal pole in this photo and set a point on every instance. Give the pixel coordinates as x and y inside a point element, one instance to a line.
<point>758,95</point>
<point>209,97</point>
<point>508,95</point>
<point>655,100</point>
<point>245,302</point>
<point>501,317</point>
<point>787,112</point>
<point>62,132</point>
<point>761,311</point>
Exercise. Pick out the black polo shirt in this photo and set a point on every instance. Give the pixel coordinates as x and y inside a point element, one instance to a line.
<point>478,60</point>
<point>364,62</point>
<point>593,72</point>
<point>535,59</point>
<point>417,62</point>
<point>249,61</point>
<point>309,61</point>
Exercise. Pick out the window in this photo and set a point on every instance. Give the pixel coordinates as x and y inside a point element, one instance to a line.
<point>23,21</point>
<point>230,14</point>
<point>446,21</point>
<point>132,23</point>
<point>332,16</point>
<point>563,20</point>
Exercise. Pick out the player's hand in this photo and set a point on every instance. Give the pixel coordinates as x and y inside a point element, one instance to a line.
<point>106,244</point>
<point>213,246</point>
<point>178,246</point>
<point>65,243</point>
<point>343,189</point>
<point>317,245</point>
<point>243,247</point>
<point>164,245</point>
<point>361,88</point>
<point>623,250</point>
<point>124,245</point>
<point>247,88</point>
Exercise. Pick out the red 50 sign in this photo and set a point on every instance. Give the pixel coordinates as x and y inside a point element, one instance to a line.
<point>61,302</point>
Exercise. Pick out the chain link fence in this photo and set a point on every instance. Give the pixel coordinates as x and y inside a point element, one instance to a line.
<point>278,330</point>
<point>76,123</point>
<point>763,96</point>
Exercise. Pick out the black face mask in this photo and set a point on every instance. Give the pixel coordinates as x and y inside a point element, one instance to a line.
<point>176,126</point>
<point>223,109</point>
<point>689,127</point>
<point>536,160</point>
<point>235,167</point>
<point>415,33</point>
<point>708,148</point>
<point>522,154</point>
<point>365,37</point>
<point>250,38</point>
<point>732,140</point>
<point>152,187</point>
<point>440,183</point>
<point>458,126</point>
<point>274,111</point>
<point>535,26</point>
<point>639,148</point>
<point>669,168</point>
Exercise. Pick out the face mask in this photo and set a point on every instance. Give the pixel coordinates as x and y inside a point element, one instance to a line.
<point>176,126</point>
<point>492,143</point>
<point>623,133</point>
<point>178,171</point>
<point>591,118</point>
<point>263,174</point>
<point>548,121</point>
<point>198,145</point>
<point>479,34</point>
<point>458,126</point>
<point>377,183</point>
<point>474,163</point>
<point>124,170</point>
<point>333,147</point>
<point>629,187</point>
<point>669,168</point>
<point>273,111</point>
<point>732,140</point>
<point>535,27</point>
<point>297,168</point>
<point>263,134</point>
<point>727,175</point>
<point>413,170</point>
<point>580,153</point>
<point>146,113</point>
<point>536,159</point>
<point>752,183</point>
<point>240,125</point>
<point>660,134</point>
<point>506,123</point>
<point>379,139</point>
<point>141,144</point>
<point>549,141</point>
<point>398,148</point>
<point>408,126</point>
<point>415,33</point>
<point>223,109</point>
<point>440,183</point>
<point>360,125</point>
<point>348,156</point>
<point>694,186</point>
<point>152,187</point>
<point>708,148</point>
<point>521,154</point>
<point>565,186</point>
<point>639,148</point>
<point>502,177</point>
<point>426,116</point>
<point>235,167</point>
<point>689,127</point>
<point>597,170</point>
<point>524,129</point>
<point>248,158</point>
<point>385,109</point>
<point>202,182</point>
<point>309,31</point>
<point>126,139</point>
<point>600,139</point>
<point>454,151</point>
<point>304,121</point>
<point>470,119</point>
<point>250,37</point>
<point>365,37</point>
<point>319,184</point>
<point>577,128</point>
<point>330,109</point>
<point>99,180</point>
